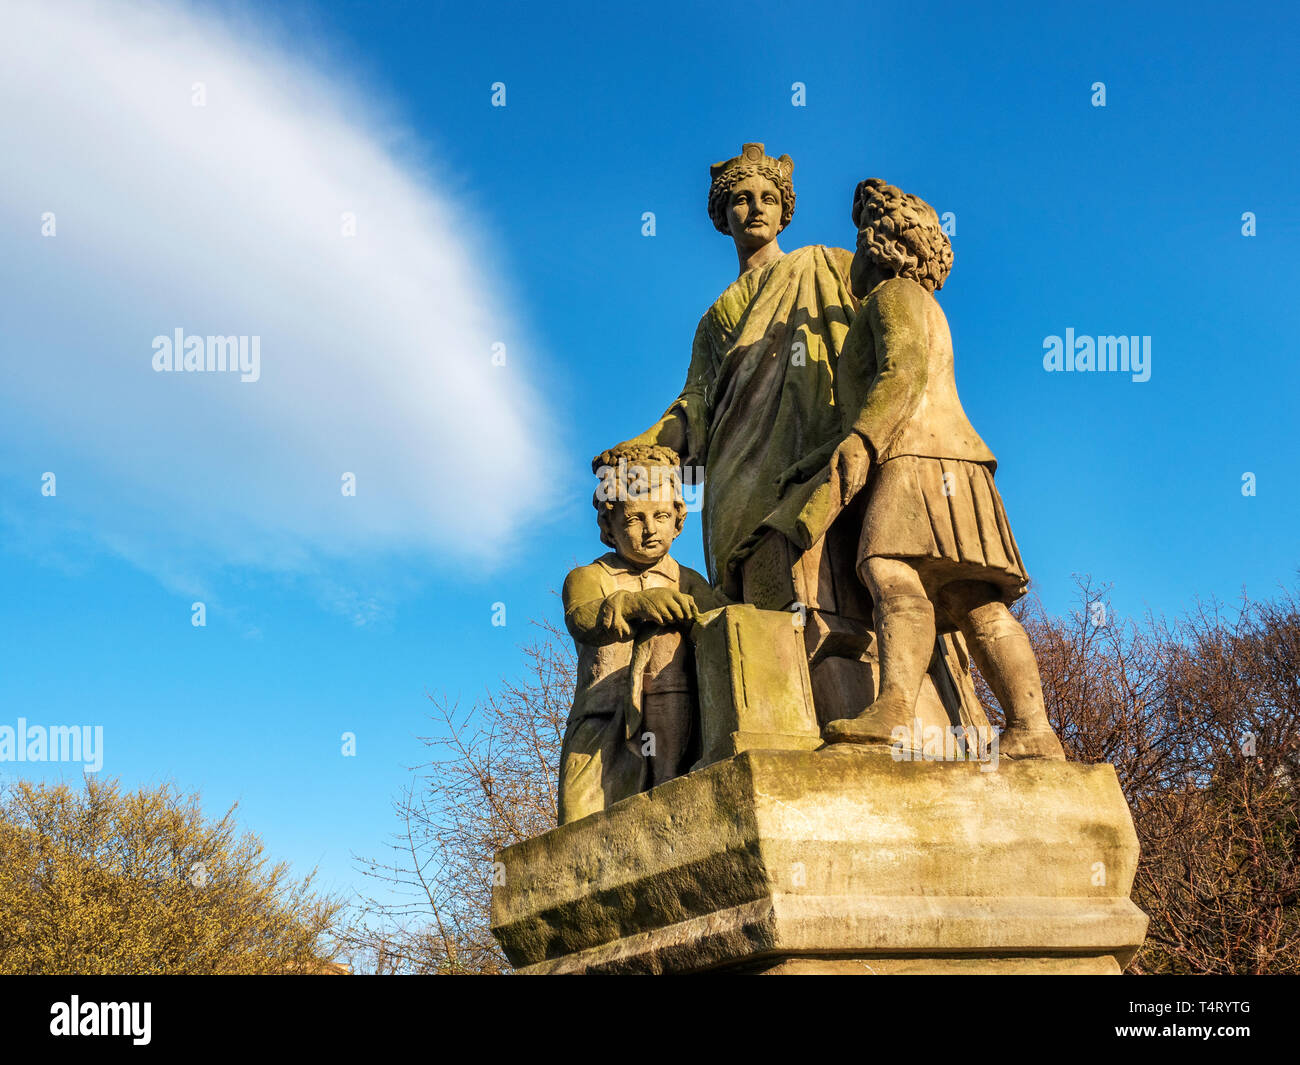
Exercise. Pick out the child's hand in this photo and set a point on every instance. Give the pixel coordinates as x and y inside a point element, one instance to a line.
<point>615,614</point>
<point>664,606</point>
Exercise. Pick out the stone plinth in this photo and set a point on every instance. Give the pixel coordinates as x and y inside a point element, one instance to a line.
<point>834,861</point>
<point>754,689</point>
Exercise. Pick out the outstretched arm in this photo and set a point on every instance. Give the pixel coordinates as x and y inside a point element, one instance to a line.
<point>669,431</point>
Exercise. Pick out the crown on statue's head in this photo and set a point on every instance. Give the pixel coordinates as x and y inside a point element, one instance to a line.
<point>754,155</point>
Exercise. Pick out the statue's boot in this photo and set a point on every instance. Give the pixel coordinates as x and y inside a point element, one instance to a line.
<point>1023,742</point>
<point>1005,657</point>
<point>905,640</point>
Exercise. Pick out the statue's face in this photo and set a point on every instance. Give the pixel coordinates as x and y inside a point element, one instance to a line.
<point>643,529</point>
<point>754,212</point>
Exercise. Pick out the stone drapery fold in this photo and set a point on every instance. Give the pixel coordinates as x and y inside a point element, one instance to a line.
<point>760,400</point>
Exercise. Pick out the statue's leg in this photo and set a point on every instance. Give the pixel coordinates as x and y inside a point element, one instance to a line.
<point>905,631</point>
<point>1001,648</point>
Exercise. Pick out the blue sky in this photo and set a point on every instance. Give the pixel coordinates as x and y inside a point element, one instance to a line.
<point>522,225</point>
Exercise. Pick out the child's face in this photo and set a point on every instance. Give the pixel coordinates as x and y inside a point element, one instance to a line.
<point>643,529</point>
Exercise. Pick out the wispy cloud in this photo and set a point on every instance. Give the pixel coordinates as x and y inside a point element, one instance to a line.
<point>200,178</point>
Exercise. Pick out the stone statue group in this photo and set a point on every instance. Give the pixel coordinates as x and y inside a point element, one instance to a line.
<point>843,485</point>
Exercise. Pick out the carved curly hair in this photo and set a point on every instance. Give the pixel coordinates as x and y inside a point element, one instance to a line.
<point>901,232</point>
<point>647,467</point>
<point>720,192</point>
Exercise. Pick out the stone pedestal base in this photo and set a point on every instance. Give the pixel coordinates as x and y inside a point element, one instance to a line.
<point>753,683</point>
<point>834,861</point>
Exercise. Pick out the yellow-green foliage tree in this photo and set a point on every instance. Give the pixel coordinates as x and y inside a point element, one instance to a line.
<point>98,880</point>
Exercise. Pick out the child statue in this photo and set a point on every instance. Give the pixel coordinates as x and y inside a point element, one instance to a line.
<point>936,549</point>
<point>634,710</point>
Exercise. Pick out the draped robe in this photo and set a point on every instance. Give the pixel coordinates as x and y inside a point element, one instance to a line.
<point>760,400</point>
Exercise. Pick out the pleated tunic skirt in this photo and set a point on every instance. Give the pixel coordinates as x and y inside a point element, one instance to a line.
<point>945,517</point>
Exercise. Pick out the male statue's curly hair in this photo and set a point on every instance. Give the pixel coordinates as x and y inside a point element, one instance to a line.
<point>724,182</point>
<point>901,232</point>
<point>625,471</point>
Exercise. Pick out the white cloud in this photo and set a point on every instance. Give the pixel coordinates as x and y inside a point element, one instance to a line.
<point>225,219</point>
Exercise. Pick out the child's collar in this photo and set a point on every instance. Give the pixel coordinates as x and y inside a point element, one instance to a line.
<point>665,567</point>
